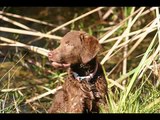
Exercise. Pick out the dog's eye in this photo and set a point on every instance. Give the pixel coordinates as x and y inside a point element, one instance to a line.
<point>81,37</point>
<point>68,43</point>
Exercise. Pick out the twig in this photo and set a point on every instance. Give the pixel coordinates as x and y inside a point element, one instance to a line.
<point>27,18</point>
<point>39,50</point>
<point>12,67</point>
<point>136,44</point>
<point>16,23</point>
<point>43,95</point>
<point>19,31</point>
<point>108,13</point>
<point>13,89</point>
<point>119,40</point>
<point>73,20</point>
<point>108,34</point>
<point>124,71</point>
<point>15,104</point>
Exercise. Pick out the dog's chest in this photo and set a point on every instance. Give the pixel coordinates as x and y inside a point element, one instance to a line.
<point>82,93</point>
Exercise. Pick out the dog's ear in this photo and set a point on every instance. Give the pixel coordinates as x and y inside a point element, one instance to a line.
<point>90,48</point>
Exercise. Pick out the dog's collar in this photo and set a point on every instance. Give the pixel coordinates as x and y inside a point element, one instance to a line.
<point>88,77</point>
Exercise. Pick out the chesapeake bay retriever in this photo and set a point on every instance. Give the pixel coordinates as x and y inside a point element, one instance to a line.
<point>85,87</point>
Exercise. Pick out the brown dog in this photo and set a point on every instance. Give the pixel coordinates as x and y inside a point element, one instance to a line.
<point>85,87</point>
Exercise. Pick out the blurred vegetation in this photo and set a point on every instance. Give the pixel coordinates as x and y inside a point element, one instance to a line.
<point>130,40</point>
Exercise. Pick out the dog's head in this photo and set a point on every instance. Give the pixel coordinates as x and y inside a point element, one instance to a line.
<point>75,47</point>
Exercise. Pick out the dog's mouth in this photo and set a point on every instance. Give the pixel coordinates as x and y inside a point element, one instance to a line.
<point>56,64</point>
<point>60,65</point>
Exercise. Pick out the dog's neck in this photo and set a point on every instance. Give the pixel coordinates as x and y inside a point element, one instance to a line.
<point>86,71</point>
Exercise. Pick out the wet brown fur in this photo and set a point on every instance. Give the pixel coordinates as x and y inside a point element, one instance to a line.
<point>79,50</point>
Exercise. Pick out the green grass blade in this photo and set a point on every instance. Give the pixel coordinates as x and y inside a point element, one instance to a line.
<point>138,70</point>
